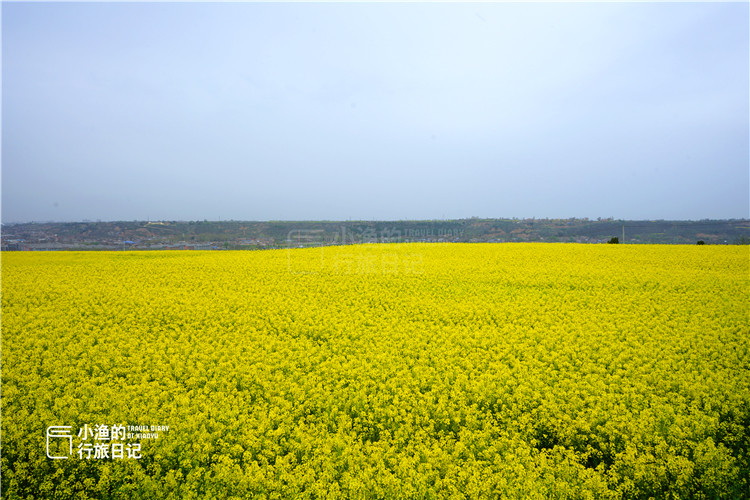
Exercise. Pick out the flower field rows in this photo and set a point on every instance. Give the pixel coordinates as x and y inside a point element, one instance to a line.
<point>378,371</point>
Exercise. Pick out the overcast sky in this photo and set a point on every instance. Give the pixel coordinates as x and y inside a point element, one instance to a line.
<point>185,111</point>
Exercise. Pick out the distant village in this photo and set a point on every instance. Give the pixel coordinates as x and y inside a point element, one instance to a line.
<point>54,236</point>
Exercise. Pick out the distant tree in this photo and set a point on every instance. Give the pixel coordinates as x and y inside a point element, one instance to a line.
<point>614,241</point>
<point>701,242</point>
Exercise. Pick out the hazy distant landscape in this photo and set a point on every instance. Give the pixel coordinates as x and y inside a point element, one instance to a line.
<point>215,235</point>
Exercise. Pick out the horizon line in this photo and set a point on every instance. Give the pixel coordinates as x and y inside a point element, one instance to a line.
<point>148,220</point>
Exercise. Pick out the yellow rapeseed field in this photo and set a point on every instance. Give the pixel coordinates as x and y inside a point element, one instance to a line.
<point>378,371</point>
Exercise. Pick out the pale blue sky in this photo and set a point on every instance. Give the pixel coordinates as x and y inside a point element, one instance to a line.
<point>374,111</point>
